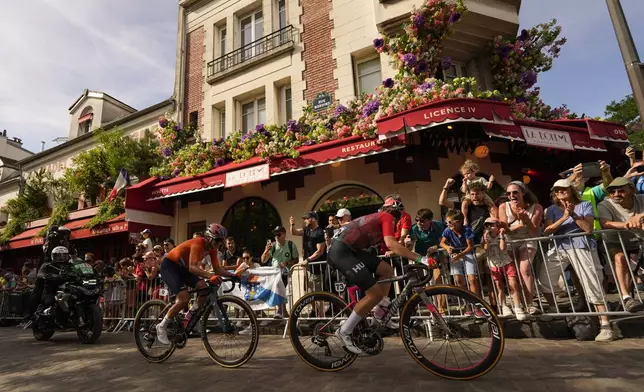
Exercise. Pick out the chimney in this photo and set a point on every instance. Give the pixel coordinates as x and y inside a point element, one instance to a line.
<point>4,133</point>
<point>42,145</point>
<point>17,140</point>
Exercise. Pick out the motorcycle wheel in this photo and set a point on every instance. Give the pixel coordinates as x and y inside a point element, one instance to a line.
<point>42,334</point>
<point>90,333</point>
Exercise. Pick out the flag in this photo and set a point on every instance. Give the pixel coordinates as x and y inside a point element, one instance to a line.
<point>262,288</point>
<point>122,181</point>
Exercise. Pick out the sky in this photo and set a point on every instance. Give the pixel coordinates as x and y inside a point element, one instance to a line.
<point>52,50</point>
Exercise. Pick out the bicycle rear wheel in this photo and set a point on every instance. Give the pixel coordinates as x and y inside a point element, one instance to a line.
<point>230,337</point>
<point>314,319</point>
<point>462,326</point>
<point>145,333</point>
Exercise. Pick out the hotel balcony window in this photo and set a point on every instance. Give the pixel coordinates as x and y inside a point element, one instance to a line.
<point>251,28</point>
<point>368,75</point>
<point>253,113</point>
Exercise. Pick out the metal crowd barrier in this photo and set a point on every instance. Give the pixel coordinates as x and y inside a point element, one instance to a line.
<point>554,279</point>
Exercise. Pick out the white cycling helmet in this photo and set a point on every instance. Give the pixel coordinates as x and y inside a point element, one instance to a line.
<point>60,254</point>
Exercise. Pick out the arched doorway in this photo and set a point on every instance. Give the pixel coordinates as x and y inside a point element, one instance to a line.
<point>251,221</point>
<point>359,199</point>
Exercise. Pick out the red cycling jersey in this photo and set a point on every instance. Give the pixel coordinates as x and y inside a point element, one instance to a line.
<point>368,230</point>
<point>192,251</point>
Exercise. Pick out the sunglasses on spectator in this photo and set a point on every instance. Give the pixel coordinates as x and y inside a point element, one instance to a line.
<point>560,190</point>
<point>512,193</point>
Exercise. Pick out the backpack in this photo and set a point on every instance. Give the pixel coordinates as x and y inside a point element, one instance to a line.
<point>583,327</point>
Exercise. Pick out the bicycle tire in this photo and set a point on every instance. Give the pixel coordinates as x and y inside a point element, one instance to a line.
<point>293,333</point>
<point>254,333</point>
<point>137,327</point>
<point>494,353</point>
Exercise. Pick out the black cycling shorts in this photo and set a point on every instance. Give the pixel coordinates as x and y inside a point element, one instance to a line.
<point>177,278</point>
<point>358,266</point>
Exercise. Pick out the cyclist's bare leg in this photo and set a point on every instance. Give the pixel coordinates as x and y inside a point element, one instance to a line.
<point>372,297</point>
<point>180,303</point>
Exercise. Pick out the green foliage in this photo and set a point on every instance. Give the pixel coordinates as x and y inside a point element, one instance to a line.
<point>623,112</point>
<point>99,167</point>
<point>30,205</point>
<point>106,211</point>
<point>351,202</point>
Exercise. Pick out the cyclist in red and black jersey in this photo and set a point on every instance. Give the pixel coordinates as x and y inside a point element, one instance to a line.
<point>180,269</point>
<point>348,255</point>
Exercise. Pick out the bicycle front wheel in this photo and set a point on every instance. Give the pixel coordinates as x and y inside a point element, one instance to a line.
<point>145,333</point>
<point>312,325</point>
<point>460,330</point>
<point>229,331</point>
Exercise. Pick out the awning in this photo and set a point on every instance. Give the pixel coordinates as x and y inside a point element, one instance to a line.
<point>545,135</point>
<point>255,169</point>
<point>598,130</point>
<point>78,231</point>
<point>85,118</point>
<point>444,112</point>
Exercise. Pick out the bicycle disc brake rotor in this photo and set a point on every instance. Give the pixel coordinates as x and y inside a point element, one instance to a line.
<point>370,341</point>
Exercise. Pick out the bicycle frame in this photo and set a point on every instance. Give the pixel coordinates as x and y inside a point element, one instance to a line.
<point>211,299</point>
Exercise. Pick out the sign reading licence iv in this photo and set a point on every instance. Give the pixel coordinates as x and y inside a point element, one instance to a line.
<point>247,176</point>
<point>547,138</point>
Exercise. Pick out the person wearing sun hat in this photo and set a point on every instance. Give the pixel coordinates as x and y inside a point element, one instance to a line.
<point>623,210</point>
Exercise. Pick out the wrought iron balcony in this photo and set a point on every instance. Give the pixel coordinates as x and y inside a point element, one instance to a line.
<point>277,42</point>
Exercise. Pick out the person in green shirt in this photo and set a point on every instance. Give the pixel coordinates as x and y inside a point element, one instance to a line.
<point>283,254</point>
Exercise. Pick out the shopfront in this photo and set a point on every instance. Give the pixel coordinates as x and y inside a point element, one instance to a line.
<point>417,151</point>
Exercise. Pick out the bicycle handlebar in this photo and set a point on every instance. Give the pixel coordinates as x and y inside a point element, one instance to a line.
<point>410,272</point>
<point>233,279</point>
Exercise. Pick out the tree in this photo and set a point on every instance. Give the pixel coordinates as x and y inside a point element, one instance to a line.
<point>29,205</point>
<point>625,112</point>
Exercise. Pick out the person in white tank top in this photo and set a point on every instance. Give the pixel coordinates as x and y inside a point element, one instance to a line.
<point>522,217</point>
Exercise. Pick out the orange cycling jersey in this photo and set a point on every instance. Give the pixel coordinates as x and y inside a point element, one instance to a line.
<point>192,251</point>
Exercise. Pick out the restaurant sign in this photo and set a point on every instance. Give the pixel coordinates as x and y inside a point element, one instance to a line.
<point>248,175</point>
<point>547,138</point>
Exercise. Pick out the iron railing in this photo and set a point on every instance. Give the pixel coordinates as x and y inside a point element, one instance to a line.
<point>270,43</point>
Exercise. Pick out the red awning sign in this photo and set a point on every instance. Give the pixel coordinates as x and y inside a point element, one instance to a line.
<point>444,112</point>
<point>85,118</point>
<point>547,138</point>
<point>248,175</point>
<point>607,131</point>
<point>504,131</point>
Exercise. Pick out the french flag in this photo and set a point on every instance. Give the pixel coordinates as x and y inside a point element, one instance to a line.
<point>122,181</point>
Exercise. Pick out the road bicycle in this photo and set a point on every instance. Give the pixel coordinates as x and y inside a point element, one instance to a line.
<point>316,316</point>
<point>231,315</point>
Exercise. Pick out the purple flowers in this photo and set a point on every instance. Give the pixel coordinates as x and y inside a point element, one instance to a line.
<point>524,35</point>
<point>421,68</point>
<point>176,128</point>
<point>388,83</point>
<point>220,162</point>
<point>409,59</point>
<point>176,172</point>
<point>370,108</point>
<point>446,62</point>
<point>291,125</point>
<point>426,86</point>
<point>329,125</point>
<point>166,151</point>
<point>504,51</point>
<point>419,21</point>
<point>216,142</point>
<point>245,137</point>
<point>378,43</point>
<point>455,17</point>
<point>521,99</point>
<point>259,128</point>
<point>163,122</point>
<point>528,79</point>
<point>340,110</point>
<point>308,143</point>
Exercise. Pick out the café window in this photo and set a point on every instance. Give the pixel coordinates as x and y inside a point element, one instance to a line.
<point>251,221</point>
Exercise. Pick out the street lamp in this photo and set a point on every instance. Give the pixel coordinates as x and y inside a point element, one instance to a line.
<point>634,69</point>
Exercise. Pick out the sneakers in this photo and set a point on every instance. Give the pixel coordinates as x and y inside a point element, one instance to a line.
<point>506,311</point>
<point>633,306</point>
<point>162,334</point>
<point>534,311</point>
<point>606,334</point>
<point>521,315</point>
<point>347,342</point>
<point>246,330</point>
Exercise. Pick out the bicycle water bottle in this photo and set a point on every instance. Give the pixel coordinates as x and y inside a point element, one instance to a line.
<point>380,310</point>
<point>187,319</point>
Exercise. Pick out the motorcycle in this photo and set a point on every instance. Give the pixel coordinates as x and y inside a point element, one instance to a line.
<point>75,305</point>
